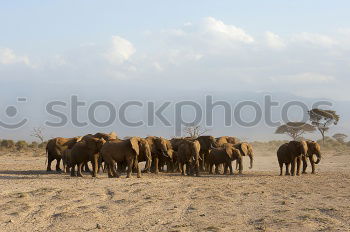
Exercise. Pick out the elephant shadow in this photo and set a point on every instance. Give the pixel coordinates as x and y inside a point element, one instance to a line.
<point>23,174</point>
<point>220,176</point>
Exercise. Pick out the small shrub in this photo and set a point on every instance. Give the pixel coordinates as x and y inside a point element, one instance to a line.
<point>42,145</point>
<point>34,145</point>
<point>21,145</point>
<point>7,143</point>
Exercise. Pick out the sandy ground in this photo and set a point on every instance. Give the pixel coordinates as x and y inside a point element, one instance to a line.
<point>33,200</point>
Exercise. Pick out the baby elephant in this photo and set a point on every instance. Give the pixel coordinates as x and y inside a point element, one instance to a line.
<point>84,151</point>
<point>224,155</point>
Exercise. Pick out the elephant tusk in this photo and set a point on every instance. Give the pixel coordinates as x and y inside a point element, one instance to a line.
<point>165,155</point>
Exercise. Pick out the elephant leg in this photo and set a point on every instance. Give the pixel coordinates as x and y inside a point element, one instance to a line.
<point>217,169</point>
<point>287,169</point>
<point>105,167</point>
<point>138,169</point>
<point>240,165</point>
<point>130,164</point>
<point>281,168</point>
<point>120,167</point>
<point>80,166</point>
<point>109,171</point>
<point>58,169</point>
<point>156,165</point>
<point>188,169</point>
<point>304,164</point>
<point>181,168</point>
<point>170,167</point>
<point>202,163</point>
<point>64,165</point>
<point>113,169</point>
<point>229,164</point>
<point>298,166</point>
<point>225,168</point>
<point>95,165</point>
<point>99,165</point>
<point>237,165</point>
<point>147,168</point>
<point>49,161</point>
<point>211,168</point>
<point>312,164</point>
<point>86,167</point>
<point>72,170</point>
<point>196,168</point>
<point>293,166</point>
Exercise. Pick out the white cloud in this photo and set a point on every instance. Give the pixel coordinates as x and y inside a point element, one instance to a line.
<point>8,56</point>
<point>120,51</point>
<point>229,32</point>
<point>307,77</point>
<point>314,39</point>
<point>274,41</point>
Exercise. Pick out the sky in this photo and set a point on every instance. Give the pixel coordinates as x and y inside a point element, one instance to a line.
<point>127,49</point>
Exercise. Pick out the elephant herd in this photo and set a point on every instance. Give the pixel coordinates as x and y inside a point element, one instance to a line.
<point>186,155</point>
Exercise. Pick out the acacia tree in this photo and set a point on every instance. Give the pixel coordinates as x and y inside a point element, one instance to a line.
<point>38,133</point>
<point>295,129</point>
<point>323,119</point>
<point>195,131</point>
<point>340,137</point>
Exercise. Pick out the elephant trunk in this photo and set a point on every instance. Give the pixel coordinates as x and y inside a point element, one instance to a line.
<point>251,161</point>
<point>318,158</point>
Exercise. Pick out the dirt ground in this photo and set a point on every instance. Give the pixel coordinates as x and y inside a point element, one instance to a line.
<point>33,200</point>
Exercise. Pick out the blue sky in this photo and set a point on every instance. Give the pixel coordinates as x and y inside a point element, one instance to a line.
<point>54,26</point>
<point>50,50</point>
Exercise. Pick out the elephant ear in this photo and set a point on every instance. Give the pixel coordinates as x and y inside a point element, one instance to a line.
<point>304,148</point>
<point>229,150</point>
<point>134,141</point>
<point>244,149</point>
<point>239,154</point>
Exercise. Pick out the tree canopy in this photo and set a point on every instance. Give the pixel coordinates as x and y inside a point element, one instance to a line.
<point>340,137</point>
<point>295,129</point>
<point>323,119</point>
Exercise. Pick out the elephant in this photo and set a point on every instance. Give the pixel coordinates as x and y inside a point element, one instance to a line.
<point>313,149</point>
<point>159,150</point>
<point>125,151</point>
<point>66,160</point>
<point>84,151</point>
<point>55,148</point>
<point>168,160</point>
<point>106,137</point>
<point>246,149</point>
<point>224,155</point>
<point>206,143</point>
<point>188,154</point>
<point>291,153</point>
<point>145,153</point>
<point>226,139</point>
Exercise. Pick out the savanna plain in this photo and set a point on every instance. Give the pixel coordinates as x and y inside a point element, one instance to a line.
<point>32,199</point>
